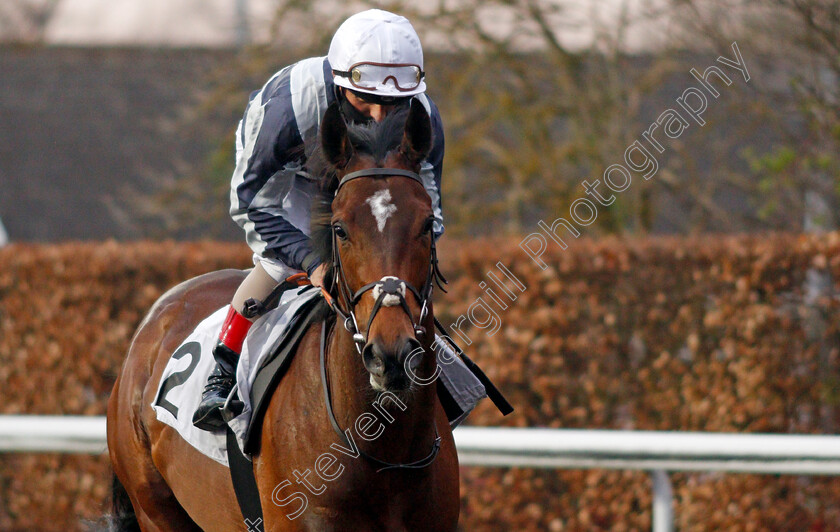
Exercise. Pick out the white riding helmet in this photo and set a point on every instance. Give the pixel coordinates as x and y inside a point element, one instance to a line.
<point>378,52</point>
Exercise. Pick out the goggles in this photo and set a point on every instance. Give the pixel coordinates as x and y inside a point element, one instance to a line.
<point>372,76</point>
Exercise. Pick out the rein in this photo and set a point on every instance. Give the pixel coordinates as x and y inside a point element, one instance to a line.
<point>385,292</point>
<point>383,465</point>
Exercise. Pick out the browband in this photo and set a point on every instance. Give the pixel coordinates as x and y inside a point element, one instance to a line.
<point>370,172</point>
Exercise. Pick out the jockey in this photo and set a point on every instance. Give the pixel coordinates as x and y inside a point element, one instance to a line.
<point>374,65</point>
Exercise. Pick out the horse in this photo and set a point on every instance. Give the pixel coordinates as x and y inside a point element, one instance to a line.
<point>375,230</point>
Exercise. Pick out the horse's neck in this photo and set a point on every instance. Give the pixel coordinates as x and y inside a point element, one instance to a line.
<point>409,421</point>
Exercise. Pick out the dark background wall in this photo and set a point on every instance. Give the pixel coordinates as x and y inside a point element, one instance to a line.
<point>82,130</point>
<point>138,143</point>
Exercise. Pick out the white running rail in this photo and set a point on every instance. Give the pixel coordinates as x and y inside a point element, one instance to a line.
<point>797,454</point>
<point>657,452</point>
<point>58,434</point>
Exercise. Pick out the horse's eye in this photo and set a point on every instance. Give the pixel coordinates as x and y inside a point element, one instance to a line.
<point>340,232</point>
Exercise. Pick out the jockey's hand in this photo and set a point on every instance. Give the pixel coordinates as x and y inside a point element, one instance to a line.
<point>317,277</point>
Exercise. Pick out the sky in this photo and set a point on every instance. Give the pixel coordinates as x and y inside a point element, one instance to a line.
<point>215,23</point>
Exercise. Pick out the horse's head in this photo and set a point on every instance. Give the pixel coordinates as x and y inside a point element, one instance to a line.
<point>375,232</point>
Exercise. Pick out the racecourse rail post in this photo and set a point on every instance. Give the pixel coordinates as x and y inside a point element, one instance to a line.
<point>663,501</point>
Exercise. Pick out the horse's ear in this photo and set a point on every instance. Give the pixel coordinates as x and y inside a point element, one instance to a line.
<point>417,139</point>
<point>334,141</point>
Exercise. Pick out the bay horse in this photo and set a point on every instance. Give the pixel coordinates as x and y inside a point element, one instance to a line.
<point>376,231</point>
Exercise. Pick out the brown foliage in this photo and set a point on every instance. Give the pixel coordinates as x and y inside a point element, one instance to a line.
<point>696,334</point>
<point>67,314</point>
<point>705,334</point>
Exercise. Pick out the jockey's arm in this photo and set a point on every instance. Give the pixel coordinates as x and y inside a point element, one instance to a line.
<point>431,169</point>
<point>264,186</point>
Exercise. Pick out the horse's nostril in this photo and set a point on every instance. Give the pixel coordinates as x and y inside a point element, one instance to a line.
<point>373,359</point>
<point>411,351</point>
<point>407,357</point>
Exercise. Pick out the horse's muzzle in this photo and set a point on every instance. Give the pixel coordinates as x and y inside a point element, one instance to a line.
<point>388,370</point>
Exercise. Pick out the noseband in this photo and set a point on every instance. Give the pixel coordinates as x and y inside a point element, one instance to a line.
<point>388,291</point>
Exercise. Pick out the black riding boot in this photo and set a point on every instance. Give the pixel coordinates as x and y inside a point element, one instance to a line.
<point>208,415</point>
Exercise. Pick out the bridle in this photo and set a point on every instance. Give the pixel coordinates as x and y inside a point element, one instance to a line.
<point>388,291</point>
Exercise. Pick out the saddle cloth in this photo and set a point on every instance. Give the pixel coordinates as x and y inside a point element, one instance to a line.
<point>185,375</point>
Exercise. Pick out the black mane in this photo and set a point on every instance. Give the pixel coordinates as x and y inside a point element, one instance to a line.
<point>376,139</point>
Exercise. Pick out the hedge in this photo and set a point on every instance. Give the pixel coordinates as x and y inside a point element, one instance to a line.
<point>707,333</point>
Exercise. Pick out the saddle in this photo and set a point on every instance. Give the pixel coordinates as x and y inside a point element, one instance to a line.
<point>274,367</point>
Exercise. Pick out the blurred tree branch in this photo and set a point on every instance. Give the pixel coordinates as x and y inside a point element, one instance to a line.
<point>795,44</point>
<point>530,113</point>
<point>25,20</point>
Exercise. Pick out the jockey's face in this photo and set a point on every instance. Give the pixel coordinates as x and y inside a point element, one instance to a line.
<point>371,110</point>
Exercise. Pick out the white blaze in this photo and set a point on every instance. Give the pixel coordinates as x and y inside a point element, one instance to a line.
<point>381,207</point>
